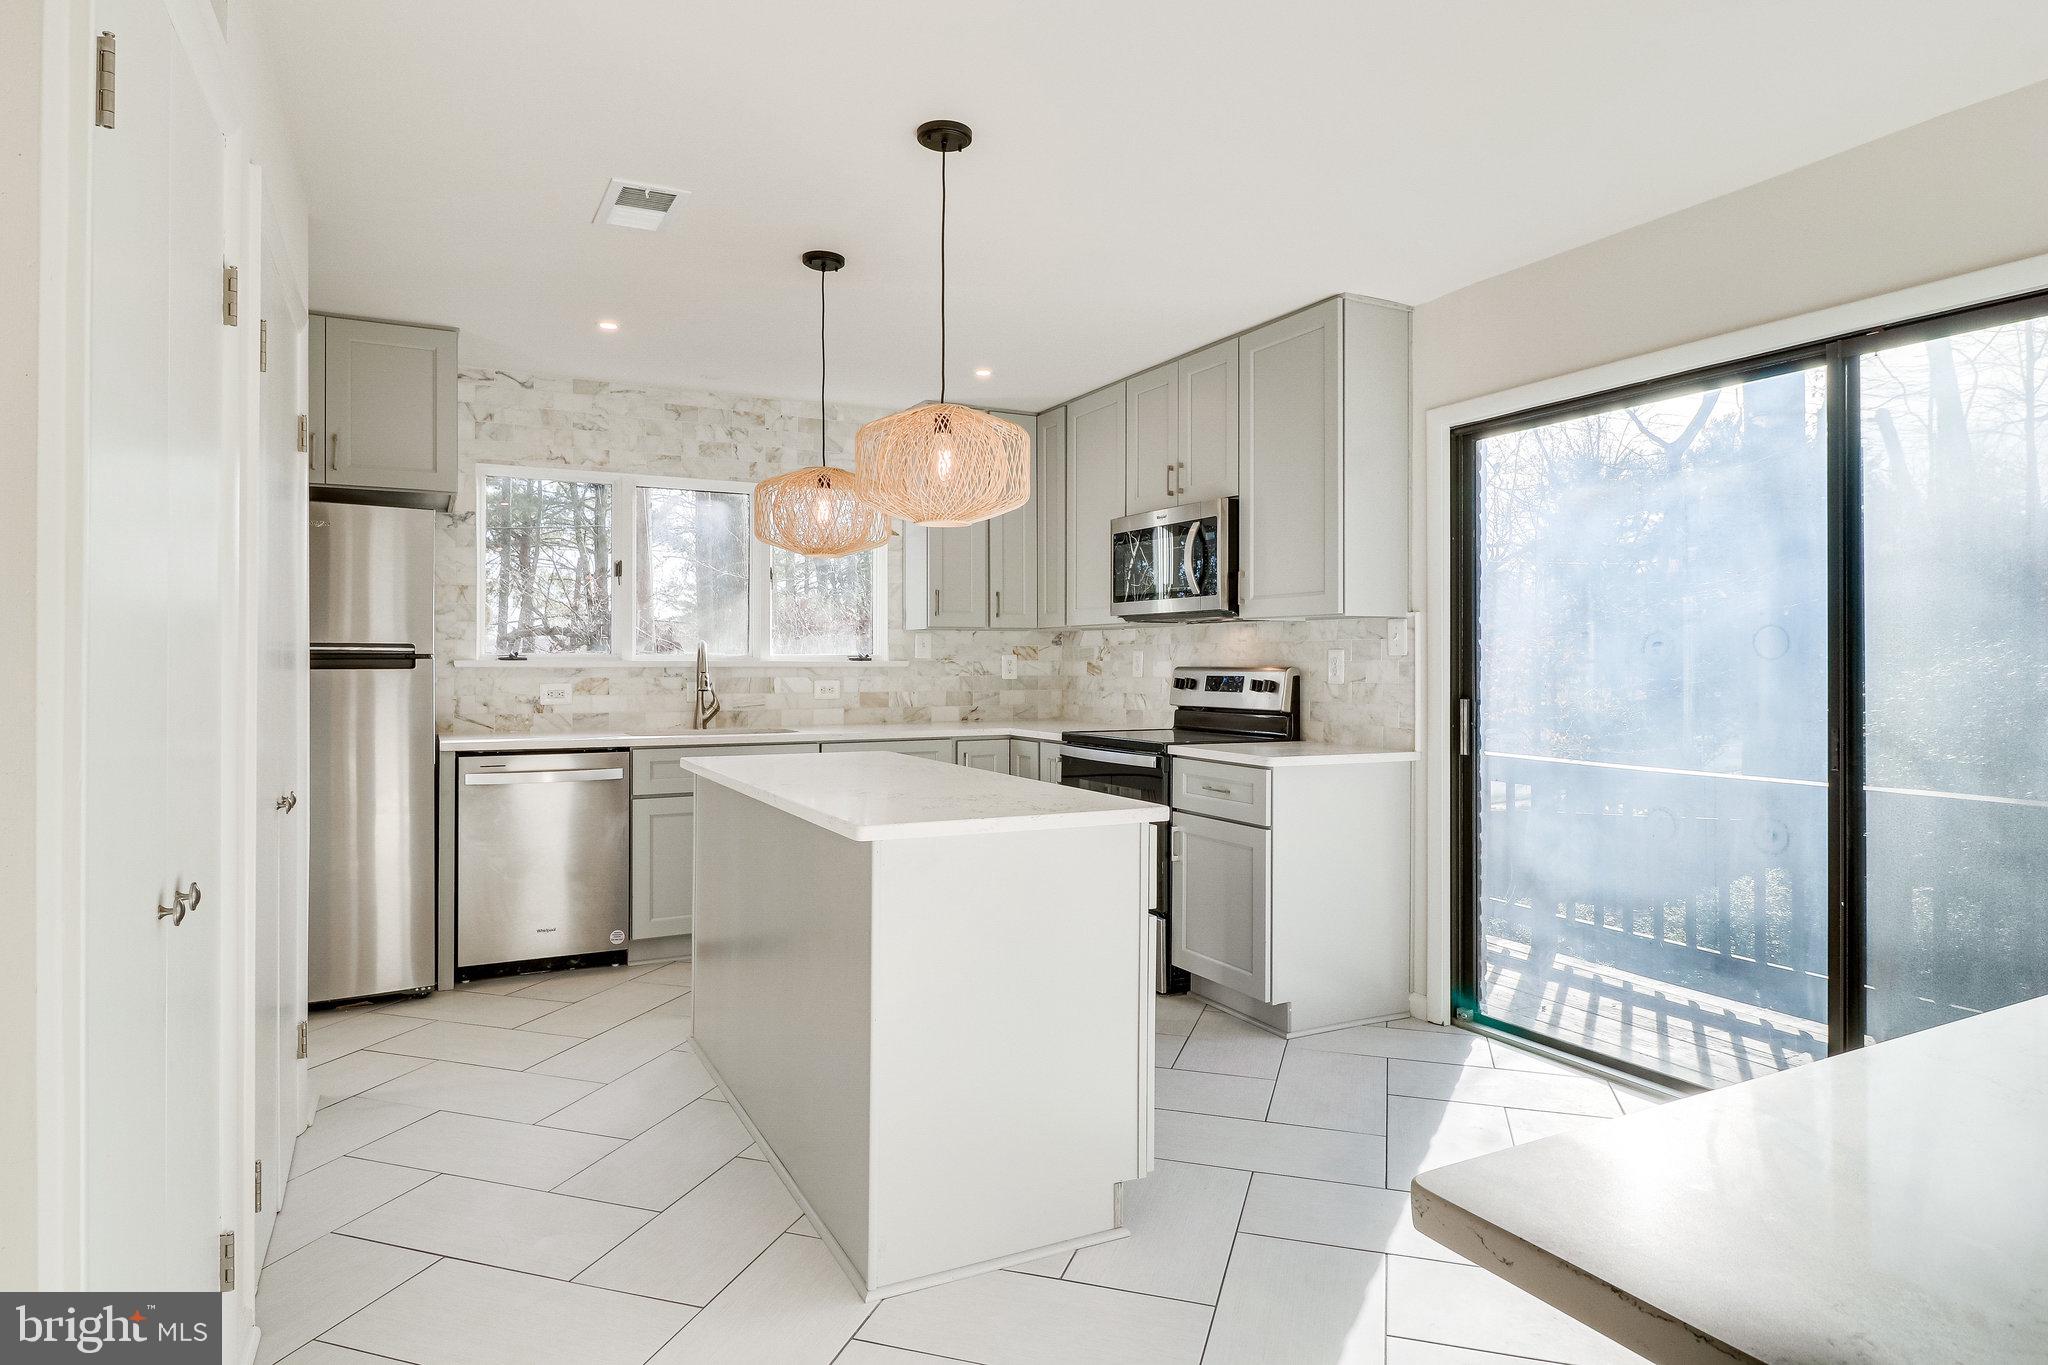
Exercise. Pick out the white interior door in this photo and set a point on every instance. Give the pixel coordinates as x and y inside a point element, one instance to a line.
<point>158,452</point>
<point>277,896</point>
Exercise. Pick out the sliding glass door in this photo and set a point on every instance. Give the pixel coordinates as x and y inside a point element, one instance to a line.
<point>1651,728</point>
<point>1955,673</point>
<point>1753,679</point>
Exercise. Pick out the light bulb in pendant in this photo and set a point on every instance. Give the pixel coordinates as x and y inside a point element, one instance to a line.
<point>821,509</point>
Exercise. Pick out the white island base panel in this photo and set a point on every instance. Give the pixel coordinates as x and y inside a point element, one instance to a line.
<point>841,999</point>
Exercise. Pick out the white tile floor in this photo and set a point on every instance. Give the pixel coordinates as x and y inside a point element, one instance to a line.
<point>538,1170</point>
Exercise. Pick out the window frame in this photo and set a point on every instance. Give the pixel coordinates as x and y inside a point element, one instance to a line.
<point>626,486</point>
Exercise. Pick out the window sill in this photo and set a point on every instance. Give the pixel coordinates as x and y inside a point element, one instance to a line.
<point>568,663</point>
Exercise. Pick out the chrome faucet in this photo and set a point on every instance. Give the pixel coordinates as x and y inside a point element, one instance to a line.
<point>707,696</point>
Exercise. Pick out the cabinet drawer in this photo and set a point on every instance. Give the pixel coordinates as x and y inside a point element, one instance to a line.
<point>1223,790</point>
<point>659,772</point>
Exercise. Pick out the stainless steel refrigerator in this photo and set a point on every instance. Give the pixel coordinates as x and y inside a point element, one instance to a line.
<point>372,619</point>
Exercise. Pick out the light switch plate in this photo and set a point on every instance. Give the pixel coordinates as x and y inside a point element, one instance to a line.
<point>1009,665</point>
<point>555,694</point>
<point>1336,668</point>
<point>826,689</point>
<point>1397,637</point>
<point>921,646</point>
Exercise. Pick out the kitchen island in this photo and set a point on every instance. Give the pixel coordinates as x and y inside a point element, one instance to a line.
<point>927,992</point>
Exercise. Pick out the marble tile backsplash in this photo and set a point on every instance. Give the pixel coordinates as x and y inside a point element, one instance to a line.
<point>1114,676</point>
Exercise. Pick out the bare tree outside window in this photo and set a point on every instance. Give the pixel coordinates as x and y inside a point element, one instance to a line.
<point>547,566</point>
<point>821,607</point>
<point>694,554</point>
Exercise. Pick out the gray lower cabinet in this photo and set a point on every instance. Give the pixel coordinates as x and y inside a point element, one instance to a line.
<point>1048,761</point>
<point>663,865</point>
<point>1222,900</point>
<point>382,412</point>
<point>1024,759</point>
<point>989,755</point>
<point>939,749</point>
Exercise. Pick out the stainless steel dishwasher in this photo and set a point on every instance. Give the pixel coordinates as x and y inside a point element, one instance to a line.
<point>541,856</point>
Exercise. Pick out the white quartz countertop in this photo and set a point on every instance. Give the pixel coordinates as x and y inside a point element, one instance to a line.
<point>1887,1205</point>
<point>802,734</point>
<point>1290,754</point>
<point>868,796</point>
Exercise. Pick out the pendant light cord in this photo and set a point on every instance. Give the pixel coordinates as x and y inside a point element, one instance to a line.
<point>820,369</point>
<point>942,276</point>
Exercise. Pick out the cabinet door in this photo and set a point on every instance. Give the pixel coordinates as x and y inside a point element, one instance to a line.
<point>663,829</point>
<point>1206,466</point>
<point>1095,498</point>
<point>1013,557</point>
<point>1049,470</point>
<point>390,405</point>
<point>989,755</point>
<point>1024,758</point>
<point>1048,762</point>
<point>316,398</point>
<point>1222,887</point>
<point>1290,422</point>
<point>958,559</point>
<point>1151,442</point>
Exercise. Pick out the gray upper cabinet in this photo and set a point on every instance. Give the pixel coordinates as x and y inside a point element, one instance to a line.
<point>1096,495</point>
<point>383,410</point>
<point>1049,471</point>
<point>956,568</point>
<point>1290,432</point>
<point>1205,426</point>
<point>1151,442</point>
<point>1323,447</point>
<point>1013,555</point>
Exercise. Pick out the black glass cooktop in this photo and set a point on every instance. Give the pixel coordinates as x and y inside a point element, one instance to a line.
<point>1155,740</point>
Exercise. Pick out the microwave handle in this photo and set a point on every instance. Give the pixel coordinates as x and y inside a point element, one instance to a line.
<point>1187,555</point>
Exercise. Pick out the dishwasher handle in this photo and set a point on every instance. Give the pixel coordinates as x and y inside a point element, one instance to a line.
<point>544,775</point>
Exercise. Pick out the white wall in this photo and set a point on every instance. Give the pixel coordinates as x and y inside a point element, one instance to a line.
<point>21,124</point>
<point>1744,274</point>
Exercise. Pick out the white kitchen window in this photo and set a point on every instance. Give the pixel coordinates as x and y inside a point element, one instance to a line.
<point>562,579</point>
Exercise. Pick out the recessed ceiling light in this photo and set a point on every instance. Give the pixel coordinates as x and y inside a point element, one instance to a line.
<point>607,326</point>
<point>983,373</point>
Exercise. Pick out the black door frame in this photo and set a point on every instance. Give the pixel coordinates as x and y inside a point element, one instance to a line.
<point>1846,863</point>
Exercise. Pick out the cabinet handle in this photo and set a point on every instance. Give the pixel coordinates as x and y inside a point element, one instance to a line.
<point>1174,847</point>
<point>999,602</point>
<point>1216,791</point>
<point>935,601</point>
<point>333,444</point>
<point>1180,478</point>
<point>1169,480</point>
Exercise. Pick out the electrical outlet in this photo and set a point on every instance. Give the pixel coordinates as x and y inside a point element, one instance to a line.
<point>921,646</point>
<point>826,689</point>
<point>555,694</point>
<point>1138,664</point>
<point>1336,668</point>
<point>1009,665</point>
<point>1397,637</point>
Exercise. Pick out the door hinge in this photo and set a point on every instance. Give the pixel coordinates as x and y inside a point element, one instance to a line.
<point>302,1038</point>
<point>302,432</point>
<point>230,295</point>
<point>227,1261</point>
<point>263,345</point>
<point>619,569</point>
<point>259,1187</point>
<point>103,83</point>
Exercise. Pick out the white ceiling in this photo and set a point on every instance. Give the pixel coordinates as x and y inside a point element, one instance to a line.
<point>1146,176</point>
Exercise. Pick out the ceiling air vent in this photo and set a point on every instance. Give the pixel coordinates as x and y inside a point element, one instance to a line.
<point>630,205</point>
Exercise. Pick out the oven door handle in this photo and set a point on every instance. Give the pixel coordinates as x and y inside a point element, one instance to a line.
<point>1146,762</point>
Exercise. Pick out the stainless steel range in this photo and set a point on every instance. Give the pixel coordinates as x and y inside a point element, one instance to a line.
<point>1211,706</point>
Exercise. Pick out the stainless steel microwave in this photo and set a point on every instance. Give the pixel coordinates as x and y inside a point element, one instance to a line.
<point>1175,564</point>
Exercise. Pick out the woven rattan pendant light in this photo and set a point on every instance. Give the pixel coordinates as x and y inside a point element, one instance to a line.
<point>819,512</point>
<point>942,464</point>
